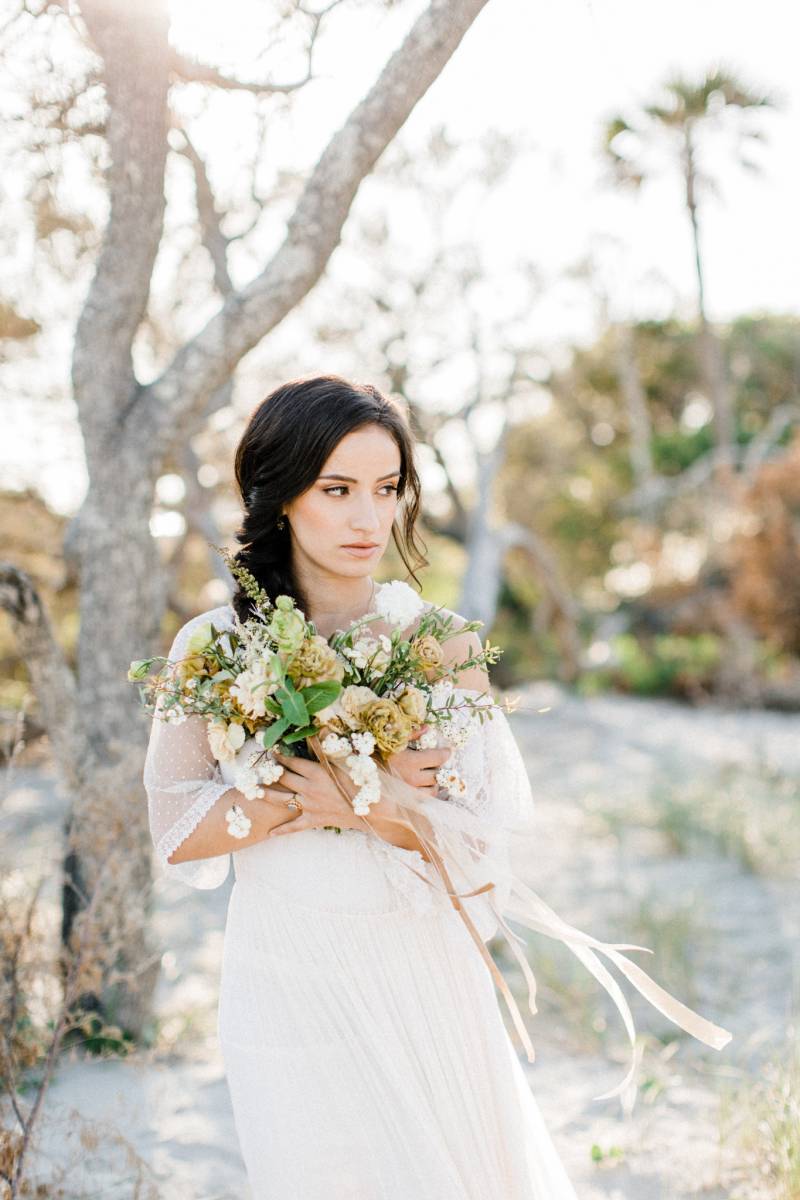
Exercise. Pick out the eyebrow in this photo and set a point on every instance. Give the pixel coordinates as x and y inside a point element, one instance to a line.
<point>349,478</point>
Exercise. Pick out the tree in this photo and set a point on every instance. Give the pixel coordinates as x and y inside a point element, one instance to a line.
<point>679,124</point>
<point>132,426</point>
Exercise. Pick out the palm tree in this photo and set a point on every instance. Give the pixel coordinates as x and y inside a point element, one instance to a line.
<point>679,124</point>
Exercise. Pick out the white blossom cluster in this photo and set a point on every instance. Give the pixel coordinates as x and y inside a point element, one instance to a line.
<point>239,824</point>
<point>370,654</point>
<point>174,715</point>
<point>361,766</point>
<point>259,770</point>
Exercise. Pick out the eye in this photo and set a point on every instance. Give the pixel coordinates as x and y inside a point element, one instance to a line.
<point>342,487</point>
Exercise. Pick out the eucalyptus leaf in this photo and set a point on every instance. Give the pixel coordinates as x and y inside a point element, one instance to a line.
<point>292,704</point>
<point>320,695</point>
<point>300,734</point>
<point>272,733</point>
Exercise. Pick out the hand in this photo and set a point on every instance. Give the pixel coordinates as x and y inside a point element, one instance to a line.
<point>418,767</point>
<point>323,803</point>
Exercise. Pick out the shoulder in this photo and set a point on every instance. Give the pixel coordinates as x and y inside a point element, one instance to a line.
<point>222,617</point>
<point>461,645</point>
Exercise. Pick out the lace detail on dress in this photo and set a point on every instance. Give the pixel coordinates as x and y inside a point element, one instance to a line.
<point>189,821</point>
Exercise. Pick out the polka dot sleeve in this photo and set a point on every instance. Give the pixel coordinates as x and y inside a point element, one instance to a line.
<point>183,780</point>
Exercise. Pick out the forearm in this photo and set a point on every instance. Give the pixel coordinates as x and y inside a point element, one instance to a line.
<point>210,837</point>
<point>398,835</point>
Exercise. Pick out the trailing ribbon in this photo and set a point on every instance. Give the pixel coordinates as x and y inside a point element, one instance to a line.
<point>460,850</point>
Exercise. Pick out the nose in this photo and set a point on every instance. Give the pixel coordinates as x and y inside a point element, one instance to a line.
<point>364,520</point>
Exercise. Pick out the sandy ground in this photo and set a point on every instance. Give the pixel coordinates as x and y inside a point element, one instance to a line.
<point>159,1124</point>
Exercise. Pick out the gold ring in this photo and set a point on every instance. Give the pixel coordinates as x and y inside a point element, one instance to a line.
<point>295,802</point>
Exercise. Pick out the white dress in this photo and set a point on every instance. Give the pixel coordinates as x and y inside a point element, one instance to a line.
<point>363,1041</point>
<point>362,1035</point>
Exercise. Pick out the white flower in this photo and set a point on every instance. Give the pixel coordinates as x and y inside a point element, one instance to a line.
<point>174,715</point>
<point>398,603</point>
<point>361,651</point>
<point>369,793</point>
<point>248,783</point>
<point>428,740</point>
<point>269,769</point>
<point>381,656</point>
<point>361,768</point>
<point>239,824</point>
<point>364,742</point>
<point>451,781</point>
<point>225,740</point>
<point>252,686</point>
<point>335,746</point>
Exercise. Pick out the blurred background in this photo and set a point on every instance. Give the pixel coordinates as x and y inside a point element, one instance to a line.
<point>567,242</point>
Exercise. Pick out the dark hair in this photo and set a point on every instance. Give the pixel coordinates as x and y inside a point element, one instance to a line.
<point>288,439</point>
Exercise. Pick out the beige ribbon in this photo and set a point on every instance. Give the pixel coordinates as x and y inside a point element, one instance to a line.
<point>447,850</point>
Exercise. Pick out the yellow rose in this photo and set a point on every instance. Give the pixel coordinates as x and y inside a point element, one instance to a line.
<point>388,724</point>
<point>225,740</point>
<point>414,704</point>
<point>315,660</point>
<point>428,651</point>
<point>352,702</point>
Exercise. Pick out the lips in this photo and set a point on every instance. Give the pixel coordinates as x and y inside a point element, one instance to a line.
<point>360,546</point>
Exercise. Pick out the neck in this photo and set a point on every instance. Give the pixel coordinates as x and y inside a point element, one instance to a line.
<point>334,600</point>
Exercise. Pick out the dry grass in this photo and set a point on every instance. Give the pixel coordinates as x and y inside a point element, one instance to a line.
<point>760,1125</point>
<point>750,815</point>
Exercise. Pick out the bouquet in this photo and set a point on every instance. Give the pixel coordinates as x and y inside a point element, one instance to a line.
<point>357,698</point>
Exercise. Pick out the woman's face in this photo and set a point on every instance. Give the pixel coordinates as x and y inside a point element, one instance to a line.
<point>351,504</point>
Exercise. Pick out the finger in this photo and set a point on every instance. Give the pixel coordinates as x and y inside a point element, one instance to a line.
<point>431,760</point>
<point>293,762</point>
<point>287,827</point>
<point>291,781</point>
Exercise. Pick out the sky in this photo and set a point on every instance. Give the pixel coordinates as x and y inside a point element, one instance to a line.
<point>550,74</point>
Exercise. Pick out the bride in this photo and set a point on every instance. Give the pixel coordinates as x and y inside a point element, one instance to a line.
<point>363,1042</point>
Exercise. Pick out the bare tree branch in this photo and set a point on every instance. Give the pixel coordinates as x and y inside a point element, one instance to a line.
<point>214,239</point>
<point>165,409</point>
<point>184,70</point>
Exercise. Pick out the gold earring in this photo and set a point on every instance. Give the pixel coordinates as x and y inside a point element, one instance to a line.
<point>281,523</point>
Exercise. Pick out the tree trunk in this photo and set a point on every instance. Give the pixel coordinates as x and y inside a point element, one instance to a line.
<point>712,363</point>
<point>639,424</point>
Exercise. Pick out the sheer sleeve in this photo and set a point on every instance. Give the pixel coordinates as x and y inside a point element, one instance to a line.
<point>183,781</point>
<point>497,802</point>
<point>490,815</point>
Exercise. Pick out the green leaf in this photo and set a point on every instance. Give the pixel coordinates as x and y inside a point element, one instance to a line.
<point>221,675</point>
<point>272,733</point>
<point>300,734</point>
<point>320,695</point>
<point>292,704</point>
<point>272,706</point>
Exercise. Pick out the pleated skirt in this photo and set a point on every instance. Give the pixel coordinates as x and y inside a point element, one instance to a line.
<point>362,1037</point>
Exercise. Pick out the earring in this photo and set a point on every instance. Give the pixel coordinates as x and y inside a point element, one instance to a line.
<point>280,523</point>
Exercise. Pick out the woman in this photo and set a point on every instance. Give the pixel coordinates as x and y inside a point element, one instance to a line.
<point>363,1042</point>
